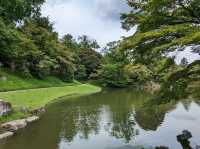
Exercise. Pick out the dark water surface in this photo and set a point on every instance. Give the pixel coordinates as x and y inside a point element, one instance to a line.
<point>113,119</point>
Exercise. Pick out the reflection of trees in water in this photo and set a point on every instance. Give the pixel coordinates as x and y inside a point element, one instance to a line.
<point>70,126</point>
<point>186,104</point>
<point>124,108</point>
<point>122,114</point>
<point>88,121</point>
<point>150,117</point>
<point>82,120</point>
<point>194,89</point>
<point>183,139</point>
<point>124,126</point>
<point>83,116</point>
<point>197,102</point>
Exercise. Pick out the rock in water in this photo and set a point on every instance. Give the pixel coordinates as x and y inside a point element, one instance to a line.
<point>14,125</point>
<point>183,139</point>
<point>186,135</point>
<point>6,135</point>
<point>32,119</point>
<point>5,108</point>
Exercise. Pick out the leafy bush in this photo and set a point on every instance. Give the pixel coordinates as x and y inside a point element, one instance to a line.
<point>138,73</point>
<point>113,75</point>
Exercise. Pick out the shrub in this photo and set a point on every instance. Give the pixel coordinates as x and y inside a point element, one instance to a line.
<point>113,75</point>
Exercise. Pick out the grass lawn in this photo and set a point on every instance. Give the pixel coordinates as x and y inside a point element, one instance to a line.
<point>35,98</point>
<point>14,81</point>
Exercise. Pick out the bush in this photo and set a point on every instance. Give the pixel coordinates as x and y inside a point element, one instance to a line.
<point>138,73</point>
<point>113,75</point>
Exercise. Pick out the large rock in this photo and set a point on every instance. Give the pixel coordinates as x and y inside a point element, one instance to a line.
<point>6,135</point>
<point>32,119</point>
<point>14,125</point>
<point>5,108</point>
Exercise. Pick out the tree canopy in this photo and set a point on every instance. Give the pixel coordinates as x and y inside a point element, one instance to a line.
<point>29,44</point>
<point>163,26</point>
<point>17,10</point>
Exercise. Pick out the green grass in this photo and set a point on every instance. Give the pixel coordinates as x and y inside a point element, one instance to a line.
<point>35,98</point>
<point>33,93</point>
<point>16,82</point>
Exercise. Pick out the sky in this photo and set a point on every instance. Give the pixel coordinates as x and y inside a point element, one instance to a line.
<point>99,19</point>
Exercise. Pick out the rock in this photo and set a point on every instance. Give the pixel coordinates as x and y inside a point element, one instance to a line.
<point>32,119</point>
<point>38,111</point>
<point>5,108</point>
<point>6,135</point>
<point>14,125</point>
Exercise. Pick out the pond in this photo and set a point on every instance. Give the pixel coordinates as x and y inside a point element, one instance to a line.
<point>112,119</point>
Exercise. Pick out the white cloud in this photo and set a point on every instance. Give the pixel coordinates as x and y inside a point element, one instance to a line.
<point>97,18</point>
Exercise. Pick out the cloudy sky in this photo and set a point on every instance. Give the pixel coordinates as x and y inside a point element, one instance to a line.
<point>100,19</point>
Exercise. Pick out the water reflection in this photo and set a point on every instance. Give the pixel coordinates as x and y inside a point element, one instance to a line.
<point>150,117</point>
<point>113,119</point>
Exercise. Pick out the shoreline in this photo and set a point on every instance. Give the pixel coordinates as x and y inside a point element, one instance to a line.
<point>10,127</point>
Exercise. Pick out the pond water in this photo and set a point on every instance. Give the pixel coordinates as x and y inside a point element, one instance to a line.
<point>112,119</point>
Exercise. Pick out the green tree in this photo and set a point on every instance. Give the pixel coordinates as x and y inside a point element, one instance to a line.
<point>113,75</point>
<point>112,53</point>
<point>15,48</point>
<point>91,60</point>
<point>138,73</point>
<point>17,10</point>
<point>55,58</point>
<point>80,73</point>
<point>70,42</point>
<point>152,14</point>
<point>29,43</point>
<point>163,26</point>
<point>86,43</point>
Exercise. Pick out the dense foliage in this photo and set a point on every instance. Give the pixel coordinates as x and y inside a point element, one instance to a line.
<point>164,26</point>
<point>17,10</point>
<point>29,44</point>
<point>113,75</point>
